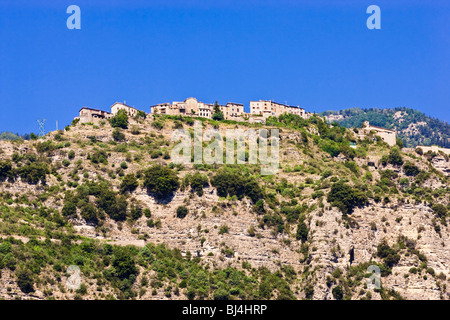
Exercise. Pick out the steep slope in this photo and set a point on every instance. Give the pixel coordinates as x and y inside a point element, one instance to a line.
<point>87,196</point>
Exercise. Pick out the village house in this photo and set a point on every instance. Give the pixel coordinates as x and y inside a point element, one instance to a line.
<point>87,115</point>
<point>193,107</point>
<point>388,136</point>
<point>91,115</point>
<point>233,111</point>
<point>131,111</point>
<point>268,108</point>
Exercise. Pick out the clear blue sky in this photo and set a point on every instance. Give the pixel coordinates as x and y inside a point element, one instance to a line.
<point>316,54</point>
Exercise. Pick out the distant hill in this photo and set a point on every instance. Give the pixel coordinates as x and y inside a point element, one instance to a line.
<point>413,127</point>
<point>8,136</point>
<point>5,135</point>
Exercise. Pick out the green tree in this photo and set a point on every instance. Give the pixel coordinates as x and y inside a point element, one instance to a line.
<point>410,169</point>
<point>71,154</point>
<point>118,135</point>
<point>69,209</point>
<point>198,182</point>
<point>120,120</point>
<point>440,210</point>
<point>218,114</point>
<point>25,280</point>
<point>89,213</point>
<point>161,181</point>
<point>338,293</point>
<point>388,254</point>
<point>34,172</point>
<point>6,170</point>
<point>114,205</point>
<point>345,197</point>
<point>395,157</point>
<point>229,182</point>
<point>259,207</point>
<point>302,231</point>
<point>182,211</point>
<point>141,115</point>
<point>129,183</point>
<point>135,212</point>
<point>124,264</point>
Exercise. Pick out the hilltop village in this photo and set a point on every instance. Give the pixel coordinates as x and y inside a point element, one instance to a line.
<point>259,112</point>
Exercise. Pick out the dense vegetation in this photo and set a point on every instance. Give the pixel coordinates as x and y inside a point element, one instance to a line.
<point>433,132</point>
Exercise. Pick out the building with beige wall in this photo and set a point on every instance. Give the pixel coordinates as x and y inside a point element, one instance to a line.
<point>436,149</point>
<point>388,136</point>
<point>193,107</point>
<point>233,111</point>
<point>87,115</point>
<point>131,111</point>
<point>268,108</point>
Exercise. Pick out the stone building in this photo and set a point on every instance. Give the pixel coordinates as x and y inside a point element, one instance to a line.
<point>434,149</point>
<point>131,111</point>
<point>233,111</point>
<point>388,136</point>
<point>162,108</point>
<point>268,108</point>
<point>193,107</point>
<point>87,115</point>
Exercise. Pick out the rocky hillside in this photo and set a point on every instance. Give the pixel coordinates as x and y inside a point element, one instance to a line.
<point>413,127</point>
<point>112,202</point>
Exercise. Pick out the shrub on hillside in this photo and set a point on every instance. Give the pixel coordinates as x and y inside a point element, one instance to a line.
<point>230,182</point>
<point>129,183</point>
<point>34,172</point>
<point>345,197</point>
<point>157,125</point>
<point>46,146</point>
<point>114,205</point>
<point>389,255</point>
<point>182,211</point>
<point>410,169</point>
<point>440,210</point>
<point>99,156</point>
<point>161,180</point>
<point>120,120</point>
<point>338,293</point>
<point>394,157</point>
<point>89,213</point>
<point>69,209</point>
<point>135,212</point>
<point>71,154</point>
<point>25,280</point>
<point>6,170</point>
<point>302,231</point>
<point>140,115</point>
<point>118,135</point>
<point>124,264</point>
<point>198,182</point>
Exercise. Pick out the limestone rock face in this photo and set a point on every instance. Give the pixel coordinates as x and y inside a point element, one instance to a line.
<point>227,232</point>
<point>441,164</point>
<point>363,239</point>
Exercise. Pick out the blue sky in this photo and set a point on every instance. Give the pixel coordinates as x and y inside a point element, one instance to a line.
<point>316,54</point>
